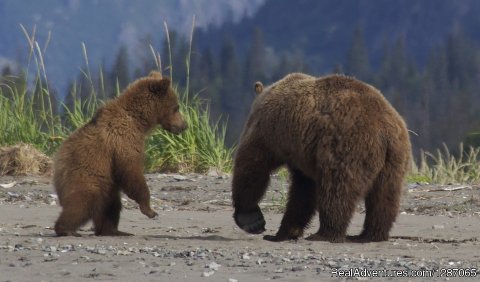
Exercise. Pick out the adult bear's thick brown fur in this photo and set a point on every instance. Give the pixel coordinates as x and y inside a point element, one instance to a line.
<point>341,141</point>
<point>106,156</point>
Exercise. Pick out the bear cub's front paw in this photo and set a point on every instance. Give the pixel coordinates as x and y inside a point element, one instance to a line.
<point>251,222</point>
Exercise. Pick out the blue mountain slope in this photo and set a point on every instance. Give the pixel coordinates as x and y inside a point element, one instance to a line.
<point>103,26</point>
<point>322,29</point>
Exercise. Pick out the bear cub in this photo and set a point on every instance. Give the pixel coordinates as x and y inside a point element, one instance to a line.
<point>341,141</point>
<point>105,157</point>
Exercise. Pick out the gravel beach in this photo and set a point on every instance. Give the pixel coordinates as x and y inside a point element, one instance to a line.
<point>194,238</point>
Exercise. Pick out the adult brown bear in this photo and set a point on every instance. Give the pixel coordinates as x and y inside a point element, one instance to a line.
<point>105,157</point>
<point>341,142</point>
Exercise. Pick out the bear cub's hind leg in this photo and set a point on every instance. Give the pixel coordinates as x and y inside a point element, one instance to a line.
<point>74,214</point>
<point>68,223</point>
<point>107,219</point>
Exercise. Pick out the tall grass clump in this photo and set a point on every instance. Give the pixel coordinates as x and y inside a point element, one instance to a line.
<point>201,146</point>
<point>197,149</point>
<point>27,111</point>
<point>443,167</point>
<point>19,121</point>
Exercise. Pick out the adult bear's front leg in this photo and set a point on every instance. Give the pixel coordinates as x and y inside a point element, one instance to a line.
<point>251,176</point>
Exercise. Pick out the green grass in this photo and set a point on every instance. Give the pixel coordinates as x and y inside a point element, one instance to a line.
<point>198,149</point>
<point>201,146</point>
<point>28,115</point>
<point>22,119</point>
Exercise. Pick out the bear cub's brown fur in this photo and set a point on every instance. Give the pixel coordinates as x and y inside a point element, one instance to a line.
<point>106,156</point>
<point>341,142</point>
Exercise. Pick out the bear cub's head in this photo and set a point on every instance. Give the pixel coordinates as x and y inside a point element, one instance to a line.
<point>158,102</point>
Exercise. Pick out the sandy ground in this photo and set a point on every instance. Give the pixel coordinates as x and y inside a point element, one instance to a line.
<point>195,239</point>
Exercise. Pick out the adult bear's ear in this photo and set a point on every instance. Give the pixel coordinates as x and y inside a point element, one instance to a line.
<point>159,86</point>
<point>258,87</point>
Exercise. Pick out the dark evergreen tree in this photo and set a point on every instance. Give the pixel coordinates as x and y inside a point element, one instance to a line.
<point>461,59</point>
<point>231,95</point>
<point>174,54</point>
<point>286,63</point>
<point>282,67</point>
<point>6,71</point>
<point>120,73</point>
<point>358,63</point>
<point>146,57</point>
<point>255,59</point>
<point>437,84</point>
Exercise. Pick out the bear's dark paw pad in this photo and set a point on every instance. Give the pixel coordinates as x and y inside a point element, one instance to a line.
<point>121,233</point>
<point>271,238</point>
<point>319,237</point>
<point>357,239</point>
<point>114,233</point>
<point>252,222</point>
<point>68,233</point>
<point>366,239</point>
<point>277,238</point>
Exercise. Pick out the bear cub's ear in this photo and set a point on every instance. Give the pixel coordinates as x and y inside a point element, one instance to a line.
<point>159,86</point>
<point>155,74</point>
<point>258,87</point>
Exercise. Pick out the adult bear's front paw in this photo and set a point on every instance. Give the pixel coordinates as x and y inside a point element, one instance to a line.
<point>251,222</point>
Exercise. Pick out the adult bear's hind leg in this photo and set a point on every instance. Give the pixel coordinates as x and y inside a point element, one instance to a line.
<point>337,196</point>
<point>382,204</point>
<point>300,208</point>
